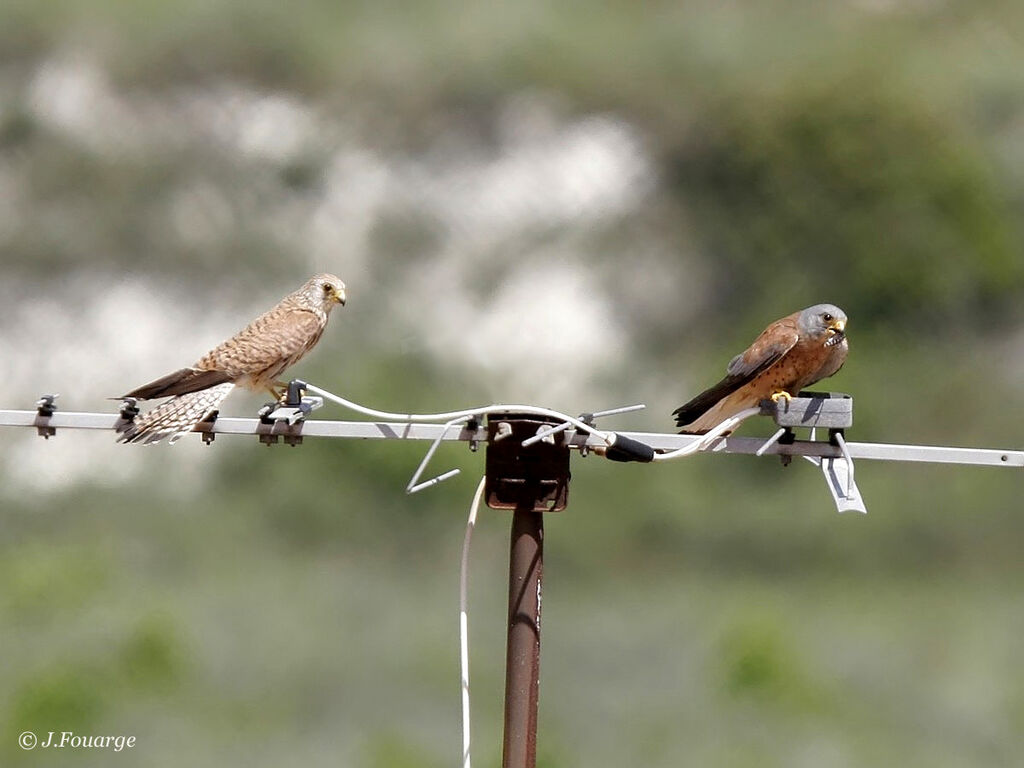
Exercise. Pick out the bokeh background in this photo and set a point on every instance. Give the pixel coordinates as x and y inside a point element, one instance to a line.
<point>575,204</point>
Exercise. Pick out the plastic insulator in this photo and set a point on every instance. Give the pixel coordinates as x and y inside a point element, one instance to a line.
<point>628,449</point>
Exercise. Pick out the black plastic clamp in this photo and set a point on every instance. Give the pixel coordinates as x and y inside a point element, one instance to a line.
<point>129,408</point>
<point>628,449</point>
<point>45,408</point>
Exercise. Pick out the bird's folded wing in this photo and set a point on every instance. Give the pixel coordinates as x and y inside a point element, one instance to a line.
<point>179,383</point>
<point>282,334</point>
<point>773,343</point>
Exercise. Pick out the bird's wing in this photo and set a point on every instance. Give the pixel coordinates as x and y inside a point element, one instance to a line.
<point>768,348</point>
<point>180,383</point>
<point>271,341</point>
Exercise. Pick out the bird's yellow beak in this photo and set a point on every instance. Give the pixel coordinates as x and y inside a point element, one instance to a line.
<point>339,296</point>
<point>837,325</point>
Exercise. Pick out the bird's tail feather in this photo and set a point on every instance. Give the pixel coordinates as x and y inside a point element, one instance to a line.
<point>706,400</point>
<point>725,408</point>
<point>175,417</point>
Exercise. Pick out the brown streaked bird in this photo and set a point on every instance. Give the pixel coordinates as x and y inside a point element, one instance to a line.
<point>253,358</point>
<point>790,354</point>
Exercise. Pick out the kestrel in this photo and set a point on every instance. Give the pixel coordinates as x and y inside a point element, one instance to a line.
<point>253,358</point>
<point>790,354</point>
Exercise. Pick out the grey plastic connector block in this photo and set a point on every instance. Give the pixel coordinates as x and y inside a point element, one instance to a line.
<point>829,410</point>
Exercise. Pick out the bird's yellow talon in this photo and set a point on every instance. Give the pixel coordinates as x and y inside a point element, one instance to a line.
<point>781,395</point>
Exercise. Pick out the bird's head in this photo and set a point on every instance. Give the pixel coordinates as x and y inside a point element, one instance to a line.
<point>325,290</point>
<point>824,321</point>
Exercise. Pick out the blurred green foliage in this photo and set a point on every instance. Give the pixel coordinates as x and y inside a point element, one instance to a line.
<point>294,607</point>
<point>895,204</point>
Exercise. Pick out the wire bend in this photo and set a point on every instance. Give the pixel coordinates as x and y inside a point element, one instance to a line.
<point>706,440</point>
<point>451,418</point>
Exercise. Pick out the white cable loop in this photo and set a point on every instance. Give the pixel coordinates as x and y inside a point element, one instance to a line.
<point>705,442</point>
<point>464,618</point>
<point>466,413</point>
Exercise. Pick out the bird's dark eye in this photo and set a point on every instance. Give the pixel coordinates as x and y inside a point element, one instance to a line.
<point>327,289</point>
<point>827,317</point>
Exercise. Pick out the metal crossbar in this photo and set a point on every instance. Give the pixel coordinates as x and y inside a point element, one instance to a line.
<point>830,411</point>
<point>391,430</point>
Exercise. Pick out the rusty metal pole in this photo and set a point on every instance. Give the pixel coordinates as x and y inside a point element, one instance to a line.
<point>522,662</point>
<point>531,481</point>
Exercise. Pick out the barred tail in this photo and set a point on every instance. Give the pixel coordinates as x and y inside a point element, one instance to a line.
<point>175,417</point>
